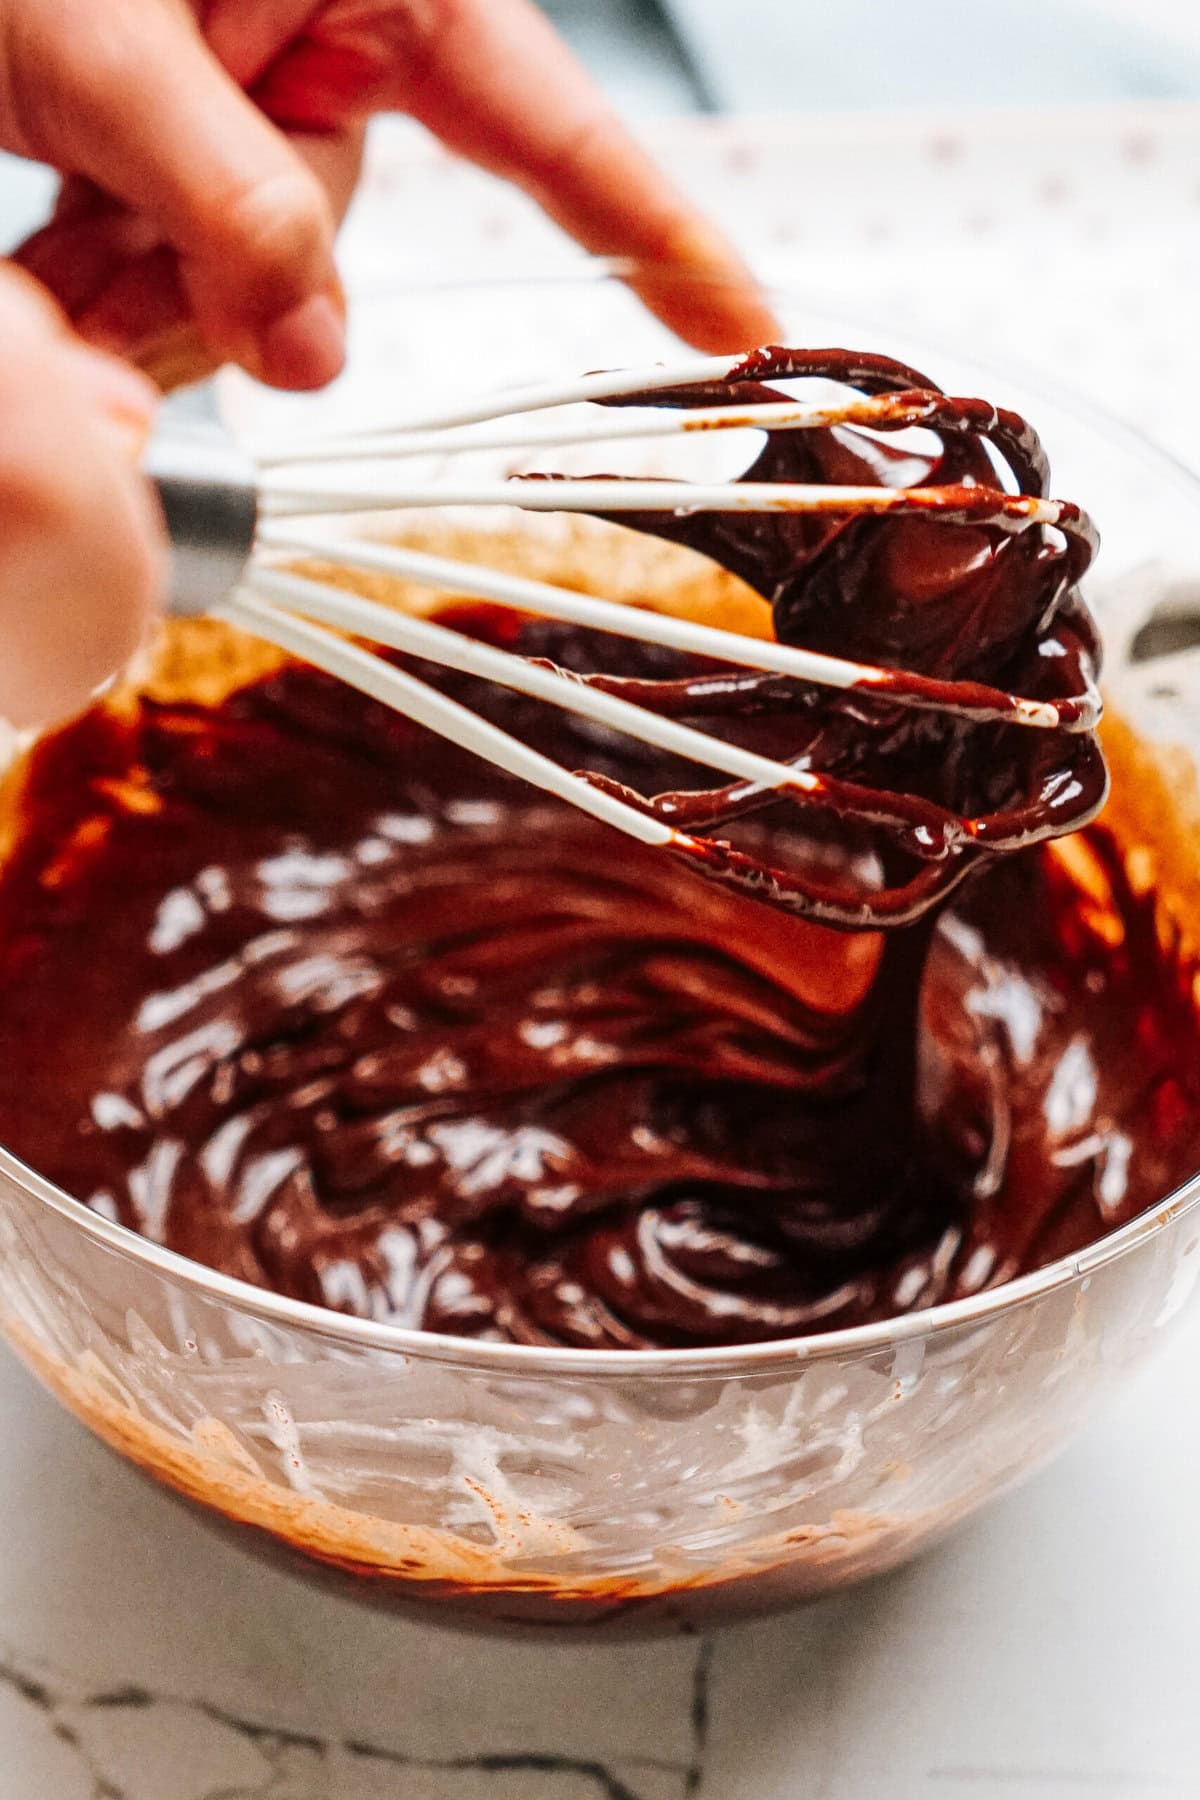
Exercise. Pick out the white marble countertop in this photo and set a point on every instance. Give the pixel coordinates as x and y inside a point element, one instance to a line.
<point>1050,1650</point>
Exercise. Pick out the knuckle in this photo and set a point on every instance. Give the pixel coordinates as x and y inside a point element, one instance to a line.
<point>35,489</point>
<point>31,499</point>
<point>575,149</point>
<point>281,225</point>
<point>112,574</point>
<point>136,569</point>
<point>425,22</point>
<point>28,313</point>
<point>431,36</point>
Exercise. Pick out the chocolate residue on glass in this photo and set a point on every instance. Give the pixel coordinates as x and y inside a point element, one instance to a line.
<point>320,1001</point>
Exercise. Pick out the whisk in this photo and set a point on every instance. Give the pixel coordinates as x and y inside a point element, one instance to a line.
<point>234,522</point>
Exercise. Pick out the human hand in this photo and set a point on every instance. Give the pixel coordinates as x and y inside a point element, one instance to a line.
<point>81,550</point>
<point>208,146</point>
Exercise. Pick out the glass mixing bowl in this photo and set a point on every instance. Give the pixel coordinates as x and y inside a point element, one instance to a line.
<point>595,1488</point>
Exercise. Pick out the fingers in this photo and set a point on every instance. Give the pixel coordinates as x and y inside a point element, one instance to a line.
<point>81,550</point>
<point>493,81</point>
<point>132,98</point>
<point>123,288</point>
<point>88,240</point>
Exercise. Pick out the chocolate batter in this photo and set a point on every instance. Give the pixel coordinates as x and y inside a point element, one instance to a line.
<point>312,997</point>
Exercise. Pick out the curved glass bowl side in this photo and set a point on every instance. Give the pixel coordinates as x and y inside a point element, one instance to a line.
<point>552,1497</point>
<point>584,1487</point>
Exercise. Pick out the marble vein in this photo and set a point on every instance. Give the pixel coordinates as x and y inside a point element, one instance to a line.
<point>130,1742</point>
<point>701,1716</point>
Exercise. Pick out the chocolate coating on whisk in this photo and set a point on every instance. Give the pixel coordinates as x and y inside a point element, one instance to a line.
<point>961,595</point>
<point>312,996</point>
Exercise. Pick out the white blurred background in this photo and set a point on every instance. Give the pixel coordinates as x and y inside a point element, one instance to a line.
<point>777,55</point>
<point>666,57</point>
<point>1022,174</point>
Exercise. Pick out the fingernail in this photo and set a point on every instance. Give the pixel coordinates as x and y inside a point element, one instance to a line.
<point>307,346</point>
<point>731,309</point>
<point>121,391</point>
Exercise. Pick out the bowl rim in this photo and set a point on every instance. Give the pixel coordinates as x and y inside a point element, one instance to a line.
<point>683,1362</point>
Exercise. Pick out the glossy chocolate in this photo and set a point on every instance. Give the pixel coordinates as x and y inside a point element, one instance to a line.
<point>316,999</point>
<point>955,595</point>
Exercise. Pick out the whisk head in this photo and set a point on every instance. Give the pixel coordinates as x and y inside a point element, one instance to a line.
<point>929,699</point>
<point>946,581</point>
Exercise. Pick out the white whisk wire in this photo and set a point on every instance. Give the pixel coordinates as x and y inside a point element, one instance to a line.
<point>541,396</point>
<point>416,700</point>
<point>309,491</point>
<point>452,650</point>
<point>618,427</point>
<point>214,511</point>
<point>451,575</point>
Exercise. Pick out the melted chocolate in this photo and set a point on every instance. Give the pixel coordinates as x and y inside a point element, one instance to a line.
<point>955,594</point>
<point>314,999</point>
<point>320,1001</point>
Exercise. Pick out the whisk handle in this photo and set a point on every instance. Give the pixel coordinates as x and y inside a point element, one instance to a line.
<point>209,495</point>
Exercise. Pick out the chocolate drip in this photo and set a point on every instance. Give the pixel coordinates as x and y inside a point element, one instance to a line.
<point>958,595</point>
<point>330,1005</point>
<point>293,988</point>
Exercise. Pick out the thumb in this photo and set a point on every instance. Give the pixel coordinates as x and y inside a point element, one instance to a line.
<point>131,97</point>
<point>81,554</point>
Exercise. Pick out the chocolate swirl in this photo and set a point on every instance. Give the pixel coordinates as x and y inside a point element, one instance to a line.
<point>319,1000</point>
<point>296,990</point>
